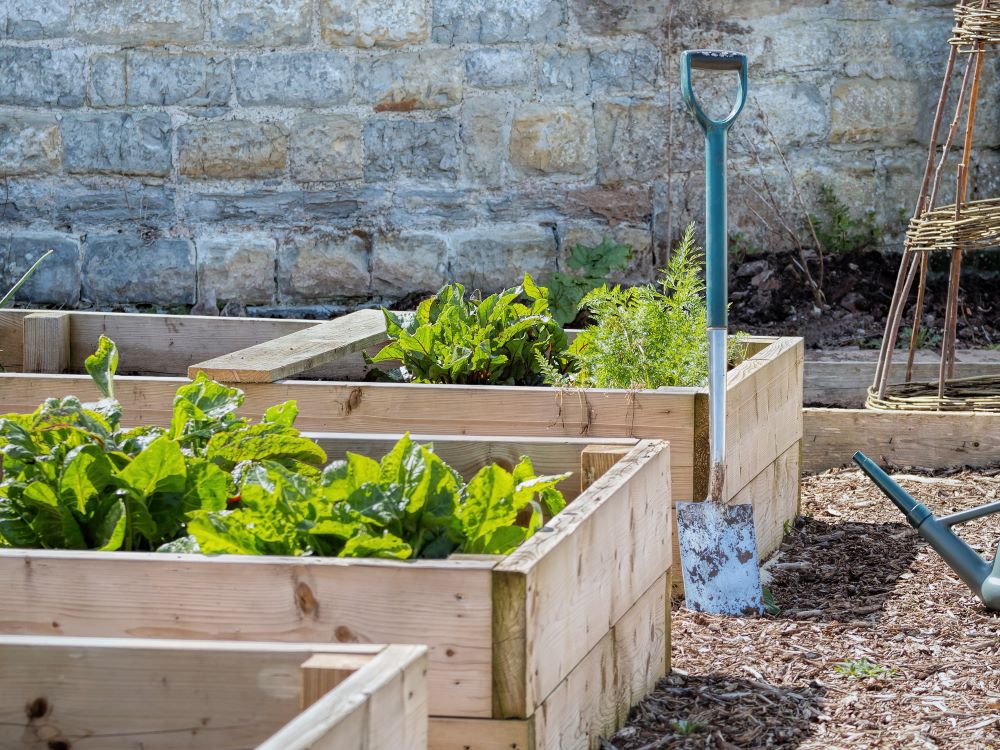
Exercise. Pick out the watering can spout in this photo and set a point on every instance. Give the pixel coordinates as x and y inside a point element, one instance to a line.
<point>979,575</point>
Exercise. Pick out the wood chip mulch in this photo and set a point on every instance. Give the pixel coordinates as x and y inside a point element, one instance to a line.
<point>877,643</point>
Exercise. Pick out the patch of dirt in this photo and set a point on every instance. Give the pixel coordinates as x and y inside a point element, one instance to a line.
<point>853,582</point>
<point>770,295</point>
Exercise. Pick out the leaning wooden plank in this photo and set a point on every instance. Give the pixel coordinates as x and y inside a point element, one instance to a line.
<point>468,453</point>
<point>382,705</point>
<point>444,604</point>
<point>565,587</point>
<point>46,342</point>
<point>156,694</point>
<point>297,352</point>
<point>935,440</point>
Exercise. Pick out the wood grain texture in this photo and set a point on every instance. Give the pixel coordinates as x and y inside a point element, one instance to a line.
<point>774,494</point>
<point>46,342</point>
<point>623,666</point>
<point>480,734</point>
<point>444,604</point>
<point>164,694</point>
<point>383,704</point>
<point>597,460</point>
<point>935,440</point>
<point>321,673</point>
<point>469,453</point>
<point>579,578</point>
<point>297,352</point>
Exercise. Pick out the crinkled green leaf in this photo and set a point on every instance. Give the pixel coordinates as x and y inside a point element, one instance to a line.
<point>367,545</point>
<point>159,468</point>
<point>85,475</point>
<point>282,414</point>
<point>112,526</point>
<point>263,442</point>
<point>102,365</point>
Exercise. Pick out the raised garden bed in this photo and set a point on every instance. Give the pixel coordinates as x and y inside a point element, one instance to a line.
<point>118,693</point>
<point>932,440</point>
<point>764,421</point>
<point>574,623</point>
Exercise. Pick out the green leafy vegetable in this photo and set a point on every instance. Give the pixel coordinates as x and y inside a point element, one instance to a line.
<point>590,268</point>
<point>410,504</point>
<point>498,340</point>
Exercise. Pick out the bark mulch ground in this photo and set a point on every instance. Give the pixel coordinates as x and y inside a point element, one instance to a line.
<point>876,643</point>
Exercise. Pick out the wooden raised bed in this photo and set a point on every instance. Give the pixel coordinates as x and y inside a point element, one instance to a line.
<point>547,647</point>
<point>764,422</point>
<point>125,693</point>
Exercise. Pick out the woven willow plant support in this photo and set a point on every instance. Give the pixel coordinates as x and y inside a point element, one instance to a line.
<point>957,227</point>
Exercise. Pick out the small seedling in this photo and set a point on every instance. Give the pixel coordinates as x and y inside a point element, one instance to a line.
<point>685,727</point>
<point>770,605</point>
<point>860,669</point>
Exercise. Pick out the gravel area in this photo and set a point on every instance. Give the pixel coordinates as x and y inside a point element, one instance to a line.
<point>874,643</point>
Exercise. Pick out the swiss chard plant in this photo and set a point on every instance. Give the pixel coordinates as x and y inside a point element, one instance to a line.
<point>497,340</point>
<point>410,504</point>
<point>588,267</point>
<point>74,478</point>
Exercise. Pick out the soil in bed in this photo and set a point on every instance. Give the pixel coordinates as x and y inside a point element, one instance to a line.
<point>853,582</point>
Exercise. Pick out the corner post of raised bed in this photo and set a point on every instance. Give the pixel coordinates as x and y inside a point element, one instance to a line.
<point>597,460</point>
<point>321,673</point>
<point>46,347</point>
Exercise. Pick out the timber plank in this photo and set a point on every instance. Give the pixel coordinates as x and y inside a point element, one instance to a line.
<point>574,579</point>
<point>297,352</point>
<point>481,734</point>
<point>444,604</point>
<point>936,440</point>
<point>99,692</point>
<point>46,342</point>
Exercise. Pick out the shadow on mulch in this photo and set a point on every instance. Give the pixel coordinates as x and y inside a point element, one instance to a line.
<point>719,712</point>
<point>844,571</point>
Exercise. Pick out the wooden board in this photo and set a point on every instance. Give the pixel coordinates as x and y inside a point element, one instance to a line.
<point>841,377</point>
<point>468,453</point>
<point>381,705</point>
<point>481,734</point>
<point>297,352</point>
<point>578,568</point>
<point>935,440</point>
<point>114,693</point>
<point>46,342</point>
<point>444,604</point>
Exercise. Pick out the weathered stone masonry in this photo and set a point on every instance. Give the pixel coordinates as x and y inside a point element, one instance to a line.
<point>294,152</point>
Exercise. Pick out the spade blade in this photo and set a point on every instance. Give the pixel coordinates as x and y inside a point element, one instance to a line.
<point>719,558</point>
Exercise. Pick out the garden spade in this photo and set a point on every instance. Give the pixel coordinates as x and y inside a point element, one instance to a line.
<point>718,543</point>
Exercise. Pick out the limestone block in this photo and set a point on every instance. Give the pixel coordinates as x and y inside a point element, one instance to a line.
<point>122,269</point>
<point>490,22</point>
<point>565,72</point>
<point>373,23</point>
<point>491,258</point>
<point>259,23</point>
<point>431,79</point>
<point>485,120</point>
<point>327,147</point>
<point>294,79</point>
<point>600,17</point>
<point>870,111</point>
<point>36,19</point>
<point>57,280</point>
<point>552,140</point>
<point>232,150</point>
<point>29,144</point>
<point>186,80</point>
<point>409,261</point>
<point>107,80</point>
<point>40,77</point>
<point>397,148</point>
<point>497,68</point>
<point>323,266</point>
<point>138,21</point>
<point>237,267</point>
<point>631,141</point>
<point>117,143</point>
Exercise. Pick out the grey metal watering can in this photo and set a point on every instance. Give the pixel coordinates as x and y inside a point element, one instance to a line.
<point>978,574</point>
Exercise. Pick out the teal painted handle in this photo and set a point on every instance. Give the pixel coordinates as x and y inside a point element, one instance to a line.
<point>716,132</point>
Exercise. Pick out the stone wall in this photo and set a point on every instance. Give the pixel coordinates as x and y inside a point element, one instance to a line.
<point>303,152</point>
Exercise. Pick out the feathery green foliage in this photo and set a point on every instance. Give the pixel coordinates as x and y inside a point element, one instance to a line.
<point>647,336</point>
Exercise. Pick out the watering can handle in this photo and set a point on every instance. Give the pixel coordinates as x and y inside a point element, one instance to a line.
<point>704,59</point>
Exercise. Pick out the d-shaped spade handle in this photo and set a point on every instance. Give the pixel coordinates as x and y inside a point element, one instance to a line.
<point>707,59</point>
